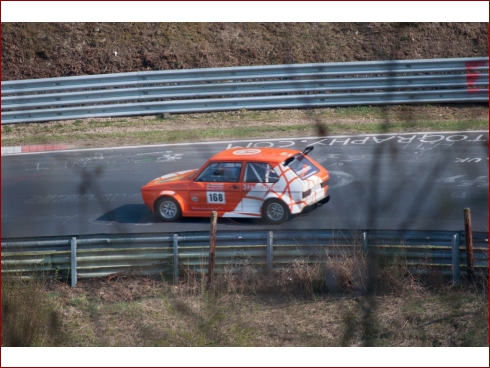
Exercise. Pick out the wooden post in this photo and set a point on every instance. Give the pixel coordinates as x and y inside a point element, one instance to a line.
<point>469,243</point>
<point>270,245</point>
<point>212,246</point>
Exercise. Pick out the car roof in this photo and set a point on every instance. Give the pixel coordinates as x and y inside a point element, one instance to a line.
<point>272,155</point>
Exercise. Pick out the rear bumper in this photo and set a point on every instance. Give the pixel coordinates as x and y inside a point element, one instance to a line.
<point>311,207</point>
<point>323,201</point>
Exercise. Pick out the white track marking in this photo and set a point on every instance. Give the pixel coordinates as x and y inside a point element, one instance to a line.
<point>288,139</point>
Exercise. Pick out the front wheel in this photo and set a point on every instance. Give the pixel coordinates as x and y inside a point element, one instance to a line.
<point>168,209</point>
<point>275,212</point>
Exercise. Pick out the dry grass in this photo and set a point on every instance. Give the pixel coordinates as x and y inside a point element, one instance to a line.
<point>332,303</point>
<point>247,124</point>
<point>30,316</point>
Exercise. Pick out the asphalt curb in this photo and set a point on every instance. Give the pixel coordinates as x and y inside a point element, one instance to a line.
<point>36,148</point>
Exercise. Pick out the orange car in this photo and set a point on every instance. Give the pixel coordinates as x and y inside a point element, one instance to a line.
<point>271,183</point>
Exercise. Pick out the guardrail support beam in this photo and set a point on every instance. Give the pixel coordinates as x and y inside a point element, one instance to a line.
<point>456,260</point>
<point>270,246</point>
<point>212,246</point>
<point>73,262</point>
<point>176,259</point>
<point>365,243</point>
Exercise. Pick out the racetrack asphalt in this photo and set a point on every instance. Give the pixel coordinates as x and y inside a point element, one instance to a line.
<point>412,181</point>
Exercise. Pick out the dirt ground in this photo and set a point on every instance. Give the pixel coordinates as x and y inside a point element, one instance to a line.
<point>43,50</point>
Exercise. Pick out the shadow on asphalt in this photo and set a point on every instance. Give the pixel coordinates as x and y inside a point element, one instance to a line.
<point>129,214</point>
<point>140,214</point>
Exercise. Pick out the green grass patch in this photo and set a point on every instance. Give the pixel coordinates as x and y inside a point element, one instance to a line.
<point>226,133</point>
<point>356,110</point>
<point>248,124</point>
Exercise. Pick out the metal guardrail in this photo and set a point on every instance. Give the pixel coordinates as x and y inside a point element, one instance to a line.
<point>150,254</point>
<point>253,88</point>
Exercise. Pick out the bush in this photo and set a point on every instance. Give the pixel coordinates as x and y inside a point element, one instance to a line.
<point>29,316</point>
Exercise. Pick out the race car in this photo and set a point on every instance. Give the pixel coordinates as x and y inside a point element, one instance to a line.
<point>267,183</point>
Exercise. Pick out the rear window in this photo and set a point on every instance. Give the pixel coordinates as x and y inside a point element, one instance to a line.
<point>303,167</point>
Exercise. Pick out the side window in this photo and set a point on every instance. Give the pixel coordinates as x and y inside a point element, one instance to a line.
<point>221,172</point>
<point>260,173</point>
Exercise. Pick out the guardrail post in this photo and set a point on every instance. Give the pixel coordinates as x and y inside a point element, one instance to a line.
<point>456,260</point>
<point>73,262</point>
<point>176,259</point>
<point>469,243</point>
<point>270,245</point>
<point>212,245</point>
<point>365,244</point>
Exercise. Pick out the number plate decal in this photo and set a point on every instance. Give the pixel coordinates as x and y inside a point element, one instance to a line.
<point>216,197</point>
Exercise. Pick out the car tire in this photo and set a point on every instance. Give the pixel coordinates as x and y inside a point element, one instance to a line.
<point>168,209</point>
<point>274,211</point>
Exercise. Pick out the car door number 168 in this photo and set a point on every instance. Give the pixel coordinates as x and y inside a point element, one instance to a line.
<point>216,197</point>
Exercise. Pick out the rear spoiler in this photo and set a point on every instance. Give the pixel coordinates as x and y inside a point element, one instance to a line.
<point>294,157</point>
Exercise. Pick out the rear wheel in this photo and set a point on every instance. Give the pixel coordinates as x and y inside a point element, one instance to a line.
<point>275,211</point>
<point>168,209</point>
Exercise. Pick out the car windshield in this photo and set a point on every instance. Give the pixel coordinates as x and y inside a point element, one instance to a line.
<point>303,167</point>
